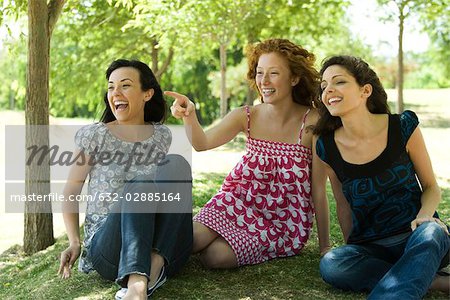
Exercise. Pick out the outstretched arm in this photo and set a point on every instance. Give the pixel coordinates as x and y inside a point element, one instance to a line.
<point>74,184</point>
<point>223,132</point>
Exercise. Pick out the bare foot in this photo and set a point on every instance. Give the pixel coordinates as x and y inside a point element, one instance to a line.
<point>137,288</point>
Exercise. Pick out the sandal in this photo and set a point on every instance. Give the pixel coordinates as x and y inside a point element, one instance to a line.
<point>120,294</point>
<point>162,278</point>
<point>159,282</point>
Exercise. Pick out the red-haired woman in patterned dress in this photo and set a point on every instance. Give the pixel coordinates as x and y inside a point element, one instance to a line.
<point>264,208</point>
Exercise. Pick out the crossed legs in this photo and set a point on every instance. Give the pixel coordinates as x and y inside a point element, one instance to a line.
<point>404,271</point>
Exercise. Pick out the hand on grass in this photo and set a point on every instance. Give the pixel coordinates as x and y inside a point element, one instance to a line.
<point>67,260</point>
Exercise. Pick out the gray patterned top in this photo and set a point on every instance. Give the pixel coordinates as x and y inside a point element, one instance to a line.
<point>109,175</point>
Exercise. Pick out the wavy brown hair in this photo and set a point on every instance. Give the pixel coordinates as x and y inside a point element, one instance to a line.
<point>363,74</point>
<point>301,64</point>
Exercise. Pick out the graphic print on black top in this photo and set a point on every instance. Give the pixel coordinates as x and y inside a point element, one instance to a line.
<point>384,194</point>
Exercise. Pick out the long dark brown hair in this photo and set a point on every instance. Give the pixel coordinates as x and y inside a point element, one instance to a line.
<point>363,74</point>
<point>155,110</point>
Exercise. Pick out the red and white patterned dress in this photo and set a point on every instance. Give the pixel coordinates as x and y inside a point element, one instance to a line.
<point>264,208</point>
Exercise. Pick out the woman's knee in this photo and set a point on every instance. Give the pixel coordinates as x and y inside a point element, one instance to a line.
<point>218,255</point>
<point>328,267</point>
<point>203,236</point>
<point>217,260</point>
<point>431,234</point>
<point>174,167</point>
<point>335,266</point>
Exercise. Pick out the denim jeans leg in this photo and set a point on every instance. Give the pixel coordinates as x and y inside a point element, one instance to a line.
<point>174,181</point>
<point>173,240</point>
<point>124,243</point>
<point>411,276</point>
<point>355,267</point>
<point>122,246</point>
<point>174,236</point>
<point>104,251</point>
<point>143,230</point>
<point>137,230</point>
<point>137,240</point>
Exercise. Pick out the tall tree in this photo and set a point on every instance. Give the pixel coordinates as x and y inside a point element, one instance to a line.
<point>219,24</point>
<point>94,35</point>
<point>42,17</point>
<point>158,22</point>
<point>401,10</point>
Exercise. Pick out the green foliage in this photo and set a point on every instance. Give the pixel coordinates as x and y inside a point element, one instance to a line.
<point>430,69</point>
<point>192,79</point>
<point>435,16</point>
<point>180,39</point>
<point>13,75</point>
<point>12,9</point>
<point>92,33</point>
<point>426,71</point>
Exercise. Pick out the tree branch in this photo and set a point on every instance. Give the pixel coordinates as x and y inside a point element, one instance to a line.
<point>54,11</point>
<point>166,63</point>
<point>154,45</point>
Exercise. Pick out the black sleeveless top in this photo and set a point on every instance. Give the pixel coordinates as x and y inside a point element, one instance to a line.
<point>384,194</point>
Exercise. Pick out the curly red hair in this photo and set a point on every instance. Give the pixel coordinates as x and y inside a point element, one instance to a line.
<point>301,64</point>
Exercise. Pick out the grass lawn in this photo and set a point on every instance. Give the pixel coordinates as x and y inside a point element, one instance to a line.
<point>297,277</point>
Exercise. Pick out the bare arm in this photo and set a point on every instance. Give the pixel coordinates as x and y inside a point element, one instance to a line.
<point>431,194</point>
<point>233,123</point>
<point>74,184</point>
<point>319,196</point>
<point>343,209</point>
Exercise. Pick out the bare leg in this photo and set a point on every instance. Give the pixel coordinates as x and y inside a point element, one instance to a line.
<point>203,237</point>
<point>441,283</point>
<point>219,255</point>
<point>137,287</point>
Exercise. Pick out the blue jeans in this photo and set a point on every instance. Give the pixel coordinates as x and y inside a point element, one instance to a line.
<point>124,243</point>
<point>403,271</point>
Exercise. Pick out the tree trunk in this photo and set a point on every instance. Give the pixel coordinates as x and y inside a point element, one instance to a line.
<point>11,99</point>
<point>38,223</point>
<point>155,54</point>
<point>400,61</point>
<point>223,80</point>
<point>165,64</point>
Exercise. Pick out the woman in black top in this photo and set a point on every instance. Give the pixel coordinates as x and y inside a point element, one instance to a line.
<point>384,186</point>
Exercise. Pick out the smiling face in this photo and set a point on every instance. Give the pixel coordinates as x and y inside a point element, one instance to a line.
<point>340,91</point>
<point>273,78</point>
<point>125,96</point>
